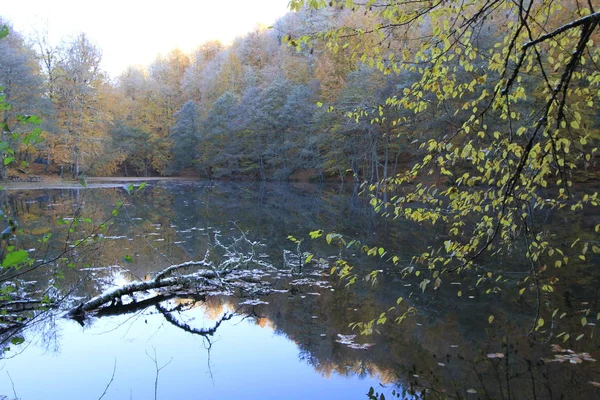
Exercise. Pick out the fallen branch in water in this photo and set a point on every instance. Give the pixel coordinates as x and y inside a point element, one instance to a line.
<point>204,281</point>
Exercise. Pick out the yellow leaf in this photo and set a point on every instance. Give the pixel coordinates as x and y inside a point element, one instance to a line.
<point>540,323</point>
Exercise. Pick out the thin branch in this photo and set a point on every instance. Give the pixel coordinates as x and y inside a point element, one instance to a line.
<point>588,19</point>
<point>13,385</point>
<point>158,369</point>
<point>112,377</point>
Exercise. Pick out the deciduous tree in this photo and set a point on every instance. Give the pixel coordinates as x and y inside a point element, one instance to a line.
<point>522,104</point>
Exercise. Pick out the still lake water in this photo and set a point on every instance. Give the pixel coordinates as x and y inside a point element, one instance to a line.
<point>294,344</point>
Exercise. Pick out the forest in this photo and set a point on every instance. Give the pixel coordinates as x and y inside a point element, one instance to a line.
<point>470,129</point>
<point>264,107</point>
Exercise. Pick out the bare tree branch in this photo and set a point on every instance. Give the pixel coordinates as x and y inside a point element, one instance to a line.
<point>112,377</point>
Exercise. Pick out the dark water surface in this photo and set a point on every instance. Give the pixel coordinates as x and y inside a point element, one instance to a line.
<point>294,344</point>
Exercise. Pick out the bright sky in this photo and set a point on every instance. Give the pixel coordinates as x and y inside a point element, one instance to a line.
<point>134,32</point>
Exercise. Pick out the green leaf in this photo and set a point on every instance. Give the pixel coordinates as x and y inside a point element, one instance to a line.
<point>308,258</point>
<point>328,238</point>
<point>14,258</point>
<point>29,119</point>
<point>3,32</point>
<point>127,258</point>
<point>316,234</point>
<point>293,239</point>
<point>490,319</point>
<point>17,340</point>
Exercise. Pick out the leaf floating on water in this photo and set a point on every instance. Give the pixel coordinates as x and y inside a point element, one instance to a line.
<point>495,355</point>
<point>254,302</point>
<point>595,384</point>
<point>348,341</point>
<point>557,349</point>
<point>472,391</point>
<point>570,356</point>
<point>345,339</point>
<point>357,346</point>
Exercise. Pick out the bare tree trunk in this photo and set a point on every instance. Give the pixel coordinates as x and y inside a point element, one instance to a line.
<point>3,167</point>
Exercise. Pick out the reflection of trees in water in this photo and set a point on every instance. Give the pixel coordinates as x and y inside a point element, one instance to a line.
<point>186,216</point>
<point>444,353</point>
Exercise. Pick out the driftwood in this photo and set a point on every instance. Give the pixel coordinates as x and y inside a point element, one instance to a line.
<point>169,283</point>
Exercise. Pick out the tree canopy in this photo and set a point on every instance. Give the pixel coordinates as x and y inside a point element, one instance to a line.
<point>517,86</point>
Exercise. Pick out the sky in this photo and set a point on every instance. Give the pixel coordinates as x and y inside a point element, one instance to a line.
<point>134,32</point>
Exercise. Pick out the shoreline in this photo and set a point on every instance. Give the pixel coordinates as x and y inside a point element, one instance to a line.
<point>91,183</point>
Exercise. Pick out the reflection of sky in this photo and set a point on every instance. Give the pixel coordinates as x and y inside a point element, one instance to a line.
<point>246,362</point>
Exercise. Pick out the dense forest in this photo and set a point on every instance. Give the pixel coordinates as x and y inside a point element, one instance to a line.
<point>266,107</point>
<point>472,127</point>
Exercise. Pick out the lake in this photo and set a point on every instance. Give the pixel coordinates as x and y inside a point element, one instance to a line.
<point>294,343</point>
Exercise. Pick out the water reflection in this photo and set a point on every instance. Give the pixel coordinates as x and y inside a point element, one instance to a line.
<point>244,361</point>
<point>287,345</point>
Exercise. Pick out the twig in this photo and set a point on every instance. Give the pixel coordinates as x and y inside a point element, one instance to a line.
<point>13,385</point>
<point>158,369</point>
<point>112,377</point>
